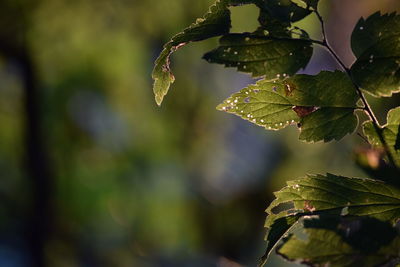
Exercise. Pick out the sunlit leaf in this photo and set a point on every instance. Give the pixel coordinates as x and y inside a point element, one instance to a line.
<point>361,197</point>
<point>261,55</point>
<point>216,22</point>
<point>333,195</point>
<point>390,132</point>
<point>321,105</point>
<point>376,43</point>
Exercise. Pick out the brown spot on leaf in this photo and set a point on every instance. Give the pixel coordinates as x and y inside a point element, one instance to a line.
<point>289,88</point>
<point>304,111</point>
<point>308,206</point>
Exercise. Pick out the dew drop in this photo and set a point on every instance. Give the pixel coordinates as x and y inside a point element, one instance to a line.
<point>291,54</point>
<point>281,124</point>
<point>247,39</point>
<point>248,115</point>
<point>361,28</point>
<point>228,101</point>
<point>278,75</point>
<point>244,67</point>
<point>235,52</point>
<point>235,101</point>
<point>284,75</point>
<point>262,120</point>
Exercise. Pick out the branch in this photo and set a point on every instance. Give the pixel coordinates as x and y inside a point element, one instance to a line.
<point>367,107</point>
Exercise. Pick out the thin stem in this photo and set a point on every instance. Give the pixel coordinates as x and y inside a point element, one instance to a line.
<point>367,108</point>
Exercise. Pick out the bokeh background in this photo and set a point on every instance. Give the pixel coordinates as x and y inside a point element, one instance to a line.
<point>93,173</point>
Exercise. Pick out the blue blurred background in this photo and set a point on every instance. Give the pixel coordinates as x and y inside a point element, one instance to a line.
<point>93,173</point>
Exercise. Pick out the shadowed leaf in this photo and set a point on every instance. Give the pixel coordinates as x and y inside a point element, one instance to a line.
<point>331,195</point>
<point>375,42</point>
<point>326,248</point>
<point>261,55</point>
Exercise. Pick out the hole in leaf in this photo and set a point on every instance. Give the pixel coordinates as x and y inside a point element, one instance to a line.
<point>244,18</point>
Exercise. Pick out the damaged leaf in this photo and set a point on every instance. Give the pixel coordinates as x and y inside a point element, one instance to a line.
<point>216,22</point>
<point>328,248</point>
<point>261,55</point>
<point>322,105</point>
<point>331,195</point>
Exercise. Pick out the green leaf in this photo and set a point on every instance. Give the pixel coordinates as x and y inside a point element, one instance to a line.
<point>277,230</point>
<point>261,55</point>
<point>327,248</point>
<point>286,10</point>
<point>322,105</point>
<point>327,195</point>
<point>216,22</point>
<point>328,124</point>
<point>372,30</point>
<point>360,197</point>
<point>390,132</point>
<point>375,42</point>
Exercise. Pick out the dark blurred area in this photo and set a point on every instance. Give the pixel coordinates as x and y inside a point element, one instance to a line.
<point>93,173</point>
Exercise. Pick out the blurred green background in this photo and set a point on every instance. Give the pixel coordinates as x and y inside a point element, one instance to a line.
<point>93,173</point>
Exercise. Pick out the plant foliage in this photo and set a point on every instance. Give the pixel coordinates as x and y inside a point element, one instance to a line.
<point>340,216</point>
